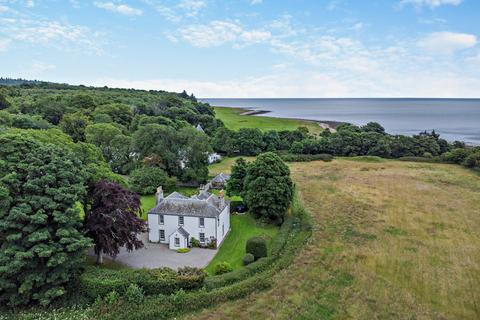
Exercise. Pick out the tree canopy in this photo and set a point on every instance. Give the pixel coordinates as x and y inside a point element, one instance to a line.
<point>268,188</point>
<point>41,246</point>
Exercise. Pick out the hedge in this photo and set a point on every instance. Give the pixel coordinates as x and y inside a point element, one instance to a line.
<point>291,157</point>
<point>97,282</point>
<point>257,246</point>
<point>255,277</point>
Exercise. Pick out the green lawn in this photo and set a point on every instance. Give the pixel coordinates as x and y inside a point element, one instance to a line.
<point>225,165</point>
<point>233,120</point>
<point>232,249</point>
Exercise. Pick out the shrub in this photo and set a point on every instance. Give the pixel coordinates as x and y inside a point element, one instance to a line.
<point>473,160</point>
<point>134,293</point>
<point>183,250</point>
<point>112,297</point>
<point>146,180</point>
<point>223,267</point>
<point>212,244</point>
<point>98,282</point>
<point>257,246</point>
<point>288,157</point>
<point>248,258</point>
<point>194,242</point>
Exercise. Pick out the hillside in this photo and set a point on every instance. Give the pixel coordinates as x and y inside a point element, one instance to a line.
<point>392,240</point>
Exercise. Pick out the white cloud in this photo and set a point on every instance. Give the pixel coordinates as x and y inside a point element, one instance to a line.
<point>447,42</point>
<point>48,33</point>
<point>192,7</point>
<point>119,8</point>
<point>430,3</point>
<point>3,8</point>
<point>30,3</point>
<point>217,33</point>
<point>40,67</point>
<point>253,2</point>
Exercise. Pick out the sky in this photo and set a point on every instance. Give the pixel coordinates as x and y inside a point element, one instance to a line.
<point>249,48</point>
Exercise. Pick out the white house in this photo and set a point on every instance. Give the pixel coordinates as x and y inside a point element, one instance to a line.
<point>176,219</point>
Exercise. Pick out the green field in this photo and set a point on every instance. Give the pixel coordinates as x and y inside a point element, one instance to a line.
<point>232,249</point>
<point>234,120</point>
<point>391,240</point>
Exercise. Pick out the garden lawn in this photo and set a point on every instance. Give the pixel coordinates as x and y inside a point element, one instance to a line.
<point>234,120</point>
<point>232,250</point>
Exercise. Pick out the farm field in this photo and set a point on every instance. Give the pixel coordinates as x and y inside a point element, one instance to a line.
<point>234,120</point>
<point>391,240</point>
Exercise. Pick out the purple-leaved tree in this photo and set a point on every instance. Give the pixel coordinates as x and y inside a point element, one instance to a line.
<point>112,221</point>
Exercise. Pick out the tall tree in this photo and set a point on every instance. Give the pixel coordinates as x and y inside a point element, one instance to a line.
<point>268,189</point>
<point>4,104</point>
<point>111,219</point>
<point>74,124</point>
<point>237,178</point>
<point>41,247</point>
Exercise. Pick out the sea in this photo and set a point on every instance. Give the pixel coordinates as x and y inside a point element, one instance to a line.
<point>454,119</point>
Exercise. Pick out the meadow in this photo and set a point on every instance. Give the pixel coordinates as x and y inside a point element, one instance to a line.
<point>391,240</point>
<point>234,120</point>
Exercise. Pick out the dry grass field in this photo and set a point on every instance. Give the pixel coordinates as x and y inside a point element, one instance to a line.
<point>392,240</point>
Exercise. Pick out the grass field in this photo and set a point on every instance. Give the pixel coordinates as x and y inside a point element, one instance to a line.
<point>233,120</point>
<point>224,166</point>
<point>232,249</point>
<point>391,240</point>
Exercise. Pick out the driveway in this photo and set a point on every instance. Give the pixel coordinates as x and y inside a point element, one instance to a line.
<point>154,255</point>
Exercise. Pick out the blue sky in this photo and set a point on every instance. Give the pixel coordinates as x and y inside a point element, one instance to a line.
<point>249,48</point>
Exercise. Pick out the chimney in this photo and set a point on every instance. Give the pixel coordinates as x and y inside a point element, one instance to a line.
<point>222,198</point>
<point>159,194</point>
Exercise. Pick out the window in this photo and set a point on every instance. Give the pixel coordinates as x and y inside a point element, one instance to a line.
<point>177,242</point>
<point>162,235</point>
<point>180,221</point>
<point>161,220</point>
<point>223,229</point>
<point>201,222</point>
<point>202,237</point>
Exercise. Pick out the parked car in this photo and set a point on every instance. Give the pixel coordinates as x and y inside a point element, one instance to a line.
<point>241,208</point>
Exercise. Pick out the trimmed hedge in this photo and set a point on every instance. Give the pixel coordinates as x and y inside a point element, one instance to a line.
<point>291,157</point>
<point>97,282</point>
<point>257,246</point>
<point>247,259</point>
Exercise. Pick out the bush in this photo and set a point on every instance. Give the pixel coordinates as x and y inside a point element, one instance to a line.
<point>134,293</point>
<point>257,246</point>
<point>288,157</point>
<point>146,180</point>
<point>212,244</point>
<point>248,258</point>
<point>473,160</point>
<point>98,282</point>
<point>183,250</point>
<point>112,297</point>
<point>223,267</point>
<point>194,242</point>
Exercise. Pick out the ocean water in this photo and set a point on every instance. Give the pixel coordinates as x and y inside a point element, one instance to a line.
<point>454,119</point>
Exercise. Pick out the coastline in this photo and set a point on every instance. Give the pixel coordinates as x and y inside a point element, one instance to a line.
<point>324,124</point>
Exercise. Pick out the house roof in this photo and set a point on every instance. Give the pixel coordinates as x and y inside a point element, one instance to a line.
<point>183,232</point>
<point>202,205</point>
<point>221,178</point>
<point>199,128</point>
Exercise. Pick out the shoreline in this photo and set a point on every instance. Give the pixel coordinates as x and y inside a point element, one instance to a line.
<point>324,124</point>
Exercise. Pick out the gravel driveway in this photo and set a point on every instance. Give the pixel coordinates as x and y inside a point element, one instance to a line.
<point>155,255</point>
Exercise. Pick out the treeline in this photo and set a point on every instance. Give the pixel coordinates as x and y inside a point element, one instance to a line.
<point>133,129</point>
<point>347,140</point>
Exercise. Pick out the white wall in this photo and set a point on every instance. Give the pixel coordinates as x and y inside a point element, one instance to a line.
<point>182,244</point>
<point>223,226</point>
<point>191,225</point>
